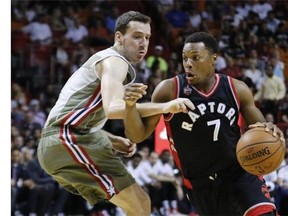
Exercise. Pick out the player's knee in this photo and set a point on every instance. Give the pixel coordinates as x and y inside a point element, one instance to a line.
<point>143,206</point>
<point>138,205</point>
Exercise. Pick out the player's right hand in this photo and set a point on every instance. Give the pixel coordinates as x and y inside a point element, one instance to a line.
<point>270,126</point>
<point>133,92</point>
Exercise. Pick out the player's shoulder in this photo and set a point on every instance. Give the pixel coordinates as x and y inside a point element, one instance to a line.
<point>239,85</point>
<point>164,91</point>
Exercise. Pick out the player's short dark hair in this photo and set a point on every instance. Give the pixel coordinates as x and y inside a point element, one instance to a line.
<point>209,40</point>
<point>123,20</point>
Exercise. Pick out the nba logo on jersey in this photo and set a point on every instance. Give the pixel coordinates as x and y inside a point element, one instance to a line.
<point>187,90</point>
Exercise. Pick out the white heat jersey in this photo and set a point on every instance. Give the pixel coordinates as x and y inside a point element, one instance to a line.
<point>79,105</point>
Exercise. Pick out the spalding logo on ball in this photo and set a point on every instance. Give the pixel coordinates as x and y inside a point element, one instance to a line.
<point>259,152</point>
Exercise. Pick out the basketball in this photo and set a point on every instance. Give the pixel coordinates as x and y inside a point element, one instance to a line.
<point>259,152</point>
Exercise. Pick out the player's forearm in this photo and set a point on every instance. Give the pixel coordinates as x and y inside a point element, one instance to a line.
<point>151,109</point>
<point>117,109</point>
<point>134,125</point>
<point>110,136</point>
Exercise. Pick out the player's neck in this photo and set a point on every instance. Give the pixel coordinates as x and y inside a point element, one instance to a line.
<point>207,86</point>
<point>118,48</point>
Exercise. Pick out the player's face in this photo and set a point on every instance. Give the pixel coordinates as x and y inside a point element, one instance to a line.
<point>135,41</point>
<point>198,63</point>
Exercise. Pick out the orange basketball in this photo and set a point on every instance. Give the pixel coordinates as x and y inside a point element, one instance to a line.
<point>259,152</point>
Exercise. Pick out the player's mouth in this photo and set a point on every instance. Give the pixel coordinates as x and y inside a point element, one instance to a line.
<point>190,75</point>
<point>141,54</point>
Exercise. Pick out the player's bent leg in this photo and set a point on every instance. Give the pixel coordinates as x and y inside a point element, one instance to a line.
<point>133,200</point>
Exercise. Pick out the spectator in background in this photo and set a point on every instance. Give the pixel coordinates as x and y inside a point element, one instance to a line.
<point>158,57</point>
<point>77,32</point>
<point>254,74</point>
<point>174,66</point>
<point>271,182</point>
<point>162,184</point>
<point>152,168</point>
<point>176,16</point>
<point>281,191</point>
<point>283,109</point>
<point>17,176</point>
<point>29,124</point>
<point>220,63</point>
<point>98,33</point>
<point>29,147</point>
<point>261,7</point>
<point>168,187</point>
<point>135,167</point>
<point>278,66</point>
<point>57,21</point>
<point>34,8</point>
<point>271,91</point>
<point>38,114</point>
<point>18,94</point>
<point>243,8</point>
<point>143,73</point>
<point>252,56</point>
<point>110,19</point>
<point>41,188</point>
<point>232,69</point>
<point>247,80</point>
<point>39,30</point>
<point>70,12</point>
<point>283,55</point>
<point>17,141</point>
<point>195,19</point>
<point>144,151</point>
<point>60,61</point>
<point>272,22</point>
<point>155,78</point>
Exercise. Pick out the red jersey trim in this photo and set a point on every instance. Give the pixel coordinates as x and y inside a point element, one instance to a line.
<point>212,90</point>
<point>169,116</point>
<point>234,92</point>
<point>260,208</point>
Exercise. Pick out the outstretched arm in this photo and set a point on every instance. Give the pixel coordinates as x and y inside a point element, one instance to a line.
<point>112,72</point>
<point>137,126</point>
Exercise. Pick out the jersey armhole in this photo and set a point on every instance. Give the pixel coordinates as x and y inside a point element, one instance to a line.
<point>177,85</point>
<point>234,92</point>
<point>176,80</point>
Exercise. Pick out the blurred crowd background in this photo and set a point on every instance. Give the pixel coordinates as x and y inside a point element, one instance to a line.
<point>52,39</point>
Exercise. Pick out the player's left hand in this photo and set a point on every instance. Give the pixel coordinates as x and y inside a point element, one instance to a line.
<point>179,105</point>
<point>124,146</point>
<point>269,126</point>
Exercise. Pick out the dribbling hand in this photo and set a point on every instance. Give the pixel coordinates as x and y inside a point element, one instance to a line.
<point>269,126</point>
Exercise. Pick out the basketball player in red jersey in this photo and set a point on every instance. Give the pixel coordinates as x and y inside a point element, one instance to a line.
<point>203,140</point>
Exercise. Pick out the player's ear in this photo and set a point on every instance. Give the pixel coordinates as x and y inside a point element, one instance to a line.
<point>214,59</point>
<point>118,37</point>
